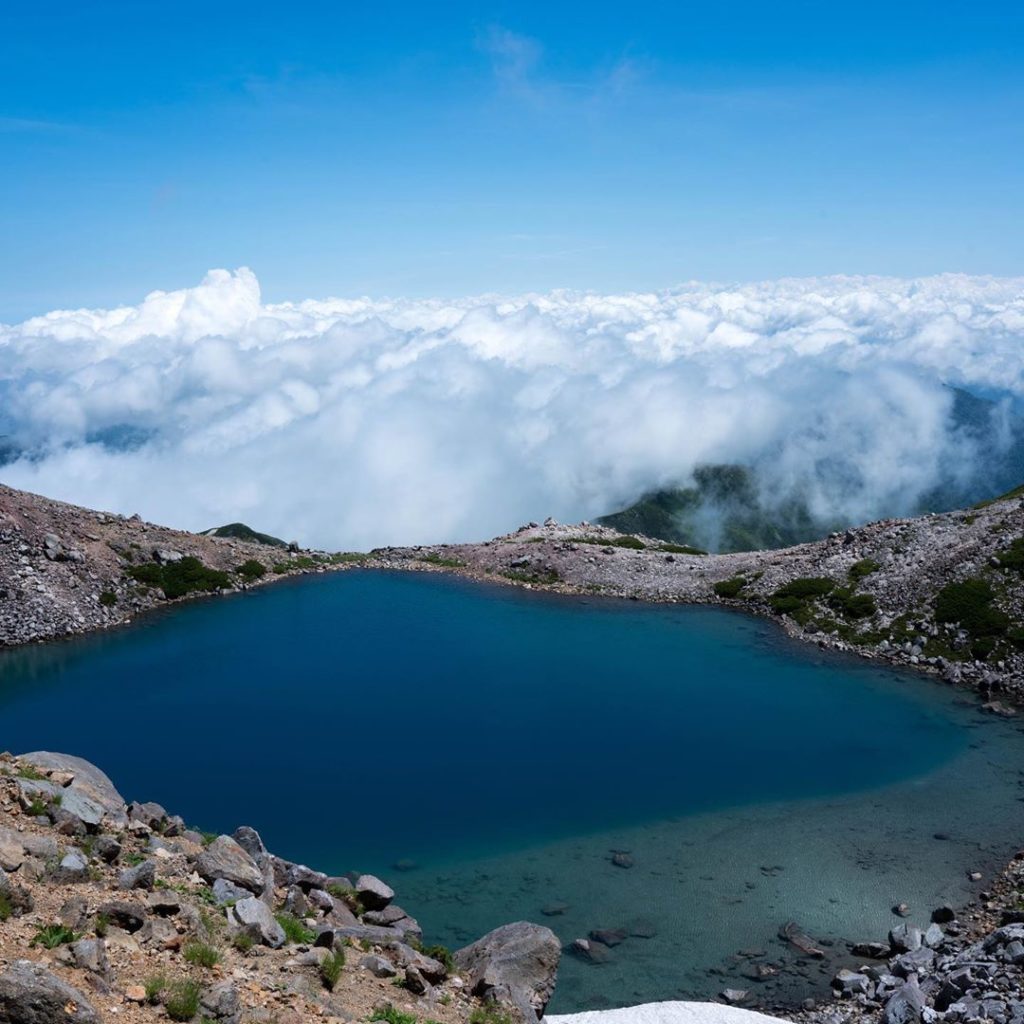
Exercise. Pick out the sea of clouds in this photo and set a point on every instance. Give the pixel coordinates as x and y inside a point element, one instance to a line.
<point>350,423</point>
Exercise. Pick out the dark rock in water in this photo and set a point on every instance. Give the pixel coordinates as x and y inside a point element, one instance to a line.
<point>621,859</point>
<point>590,952</point>
<point>943,915</point>
<point>554,909</point>
<point>734,996</point>
<point>901,910</point>
<point>30,994</point>
<point>759,972</point>
<point>641,929</point>
<point>516,965</point>
<point>941,836</point>
<point>872,950</point>
<point>405,864</point>
<point>608,936</point>
<point>799,940</point>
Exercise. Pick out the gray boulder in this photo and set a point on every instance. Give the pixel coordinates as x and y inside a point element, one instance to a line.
<point>378,966</point>
<point>253,917</point>
<point>30,994</point>
<point>225,892</point>
<point>220,1002</point>
<point>904,938</point>
<point>73,867</point>
<point>373,893</point>
<point>142,876</point>
<point>904,1006</point>
<point>224,858</point>
<point>89,789</point>
<point>91,955</point>
<point>515,965</point>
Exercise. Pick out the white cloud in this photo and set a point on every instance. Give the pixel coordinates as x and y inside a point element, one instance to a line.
<point>356,422</point>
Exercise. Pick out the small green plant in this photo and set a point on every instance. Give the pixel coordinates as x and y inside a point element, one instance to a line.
<point>490,1013</point>
<point>30,772</point>
<point>330,968</point>
<point>36,808</point>
<point>101,925</point>
<point>176,579</point>
<point>435,559</point>
<point>201,954</point>
<point>5,907</point>
<point>865,567</point>
<point>442,954</point>
<point>294,930</point>
<point>391,1015</point>
<point>133,859</point>
<point>348,896</point>
<point>243,942</point>
<point>182,1000</point>
<point>730,587</point>
<point>153,986</point>
<point>53,935</point>
<point>251,570</point>
<point>108,599</point>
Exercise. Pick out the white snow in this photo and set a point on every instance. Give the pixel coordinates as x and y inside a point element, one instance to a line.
<point>675,1012</point>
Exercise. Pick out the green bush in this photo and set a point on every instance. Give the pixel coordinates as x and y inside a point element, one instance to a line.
<point>53,935</point>
<point>108,599</point>
<point>433,558</point>
<point>201,954</point>
<point>182,1000</point>
<point>1013,556</point>
<point>490,1013</point>
<point>5,907</point>
<point>681,549</point>
<point>786,604</point>
<point>730,587</point>
<point>295,931</point>
<point>153,986</point>
<point>390,1015</point>
<point>865,567</point>
<point>176,579</point>
<point>251,570</point>
<point>330,968</point>
<point>805,587</point>
<point>851,605</point>
<point>969,603</point>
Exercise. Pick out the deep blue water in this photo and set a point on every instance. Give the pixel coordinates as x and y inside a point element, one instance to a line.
<point>506,741</point>
<point>372,716</point>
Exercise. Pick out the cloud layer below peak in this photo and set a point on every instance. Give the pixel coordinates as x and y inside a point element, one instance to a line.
<point>349,423</point>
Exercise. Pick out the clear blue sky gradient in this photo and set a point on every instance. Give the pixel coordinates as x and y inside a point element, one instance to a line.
<point>452,148</point>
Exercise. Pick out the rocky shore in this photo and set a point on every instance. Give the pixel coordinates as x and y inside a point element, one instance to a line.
<point>119,911</point>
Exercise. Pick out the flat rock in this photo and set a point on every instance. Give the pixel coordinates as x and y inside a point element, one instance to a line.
<point>253,916</point>
<point>89,784</point>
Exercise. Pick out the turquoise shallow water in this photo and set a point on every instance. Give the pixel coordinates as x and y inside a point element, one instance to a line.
<point>506,742</point>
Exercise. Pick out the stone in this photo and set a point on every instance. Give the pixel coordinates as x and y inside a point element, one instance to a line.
<point>934,936</point>
<point>943,915</point>
<point>373,893</point>
<point>150,814</point>
<point>19,899</point>
<point>415,982</point>
<point>591,952</point>
<point>905,1005</point>
<point>89,789</point>
<point>225,892</point>
<point>107,848</point>
<point>12,853</point>
<point>431,969</point>
<point>159,932</point>
<point>164,902</point>
<point>608,936</point>
<point>295,902</point>
<point>905,938</point>
<point>388,916</point>
<point>135,994</point>
<point>555,909</point>
<point>220,1002</point>
<point>91,955</point>
<point>799,940</point>
<point>850,983</point>
<point>30,994</point>
<point>253,916</point>
<point>515,965</point>
<point>142,876</point>
<point>621,859</point>
<point>73,868</point>
<point>872,950</point>
<point>129,916</point>
<point>74,913</point>
<point>901,910</point>
<point>734,996</point>
<point>224,858</point>
<point>378,966</point>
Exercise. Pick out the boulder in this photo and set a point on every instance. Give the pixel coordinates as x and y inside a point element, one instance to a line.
<point>89,788</point>
<point>30,994</point>
<point>904,1006</point>
<point>373,893</point>
<point>225,892</point>
<point>590,952</point>
<point>224,858</point>
<point>73,867</point>
<point>142,876</point>
<point>851,983</point>
<point>129,916</point>
<point>378,966</point>
<point>515,965</point>
<point>220,1002</point>
<point>904,938</point>
<point>253,917</point>
<point>91,955</point>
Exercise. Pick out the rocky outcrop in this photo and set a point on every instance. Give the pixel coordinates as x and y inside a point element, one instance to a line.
<point>515,965</point>
<point>132,916</point>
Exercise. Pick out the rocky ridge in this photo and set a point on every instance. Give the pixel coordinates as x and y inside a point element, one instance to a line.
<point>119,911</point>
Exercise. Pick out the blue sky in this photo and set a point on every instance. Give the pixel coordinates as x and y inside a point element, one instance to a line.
<point>452,149</point>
